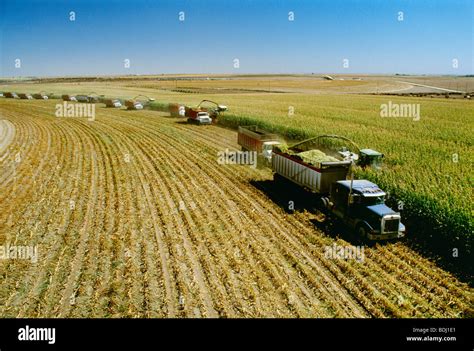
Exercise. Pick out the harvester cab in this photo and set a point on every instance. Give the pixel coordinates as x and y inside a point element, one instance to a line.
<point>370,158</point>
<point>138,102</point>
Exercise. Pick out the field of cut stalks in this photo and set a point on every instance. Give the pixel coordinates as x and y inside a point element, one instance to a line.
<point>428,163</point>
<point>132,216</point>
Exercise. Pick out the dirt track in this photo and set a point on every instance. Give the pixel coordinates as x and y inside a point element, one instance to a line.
<point>133,216</point>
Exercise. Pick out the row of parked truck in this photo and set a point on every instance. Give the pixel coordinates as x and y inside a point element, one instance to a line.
<point>204,113</point>
<point>328,174</point>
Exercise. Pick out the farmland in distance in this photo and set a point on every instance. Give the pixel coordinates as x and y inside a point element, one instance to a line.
<point>134,217</point>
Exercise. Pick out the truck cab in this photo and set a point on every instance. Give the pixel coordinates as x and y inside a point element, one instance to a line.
<point>361,205</point>
<point>201,118</point>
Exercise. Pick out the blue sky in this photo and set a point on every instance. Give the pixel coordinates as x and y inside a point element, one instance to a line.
<point>214,33</point>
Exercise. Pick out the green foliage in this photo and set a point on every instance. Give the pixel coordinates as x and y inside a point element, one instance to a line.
<point>428,163</point>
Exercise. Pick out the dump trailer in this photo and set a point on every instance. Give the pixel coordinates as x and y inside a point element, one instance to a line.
<point>67,97</point>
<point>134,105</point>
<point>138,102</point>
<point>191,112</point>
<point>360,204</point>
<point>40,96</point>
<point>10,95</point>
<point>112,103</point>
<point>316,177</point>
<point>253,138</point>
<point>25,96</point>
<point>87,98</point>
<point>177,110</point>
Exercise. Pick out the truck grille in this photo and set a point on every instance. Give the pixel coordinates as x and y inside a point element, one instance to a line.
<point>391,225</point>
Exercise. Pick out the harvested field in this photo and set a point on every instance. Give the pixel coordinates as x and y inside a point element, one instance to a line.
<point>133,217</point>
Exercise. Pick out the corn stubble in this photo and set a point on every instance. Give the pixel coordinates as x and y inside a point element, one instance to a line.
<point>171,233</point>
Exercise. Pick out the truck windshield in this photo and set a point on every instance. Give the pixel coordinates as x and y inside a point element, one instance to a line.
<point>267,147</point>
<point>377,162</point>
<point>373,200</point>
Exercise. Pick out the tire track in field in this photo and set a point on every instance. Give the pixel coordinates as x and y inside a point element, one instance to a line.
<point>22,223</point>
<point>7,134</point>
<point>195,229</point>
<point>404,286</point>
<point>83,233</point>
<point>59,227</point>
<point>45,210</point>
<point>26,161</point>
<point>159,237</point>
<point>275,227</point>
<point>210,166</point>
<point>206,302</point>
<point>183,196</point>
<point>58,255</point>
<point>82,305</point>
<point>174,168</point>
<point>269,266</point>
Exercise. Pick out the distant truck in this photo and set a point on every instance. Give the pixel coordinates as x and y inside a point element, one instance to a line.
<point>10,95</point>
<point>138,102</point>
<point>40,96</point>
<point>67,97</point>
<point>198,117</point>
<point>25,96</point>
<point>203,115</point>
<point>87,98</point>
<point>252,138</point>
<point>177,110</point>
<point>360,204</point>
<point>112,103</point>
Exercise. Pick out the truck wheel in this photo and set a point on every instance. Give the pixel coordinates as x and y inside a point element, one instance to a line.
<point>362,232</point>
<point>324,202</point>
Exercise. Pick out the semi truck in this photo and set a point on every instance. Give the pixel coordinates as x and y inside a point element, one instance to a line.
<point>253,138</point>
<point>360,204</point>
<point>138,102</point>
<point>204,115</point>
